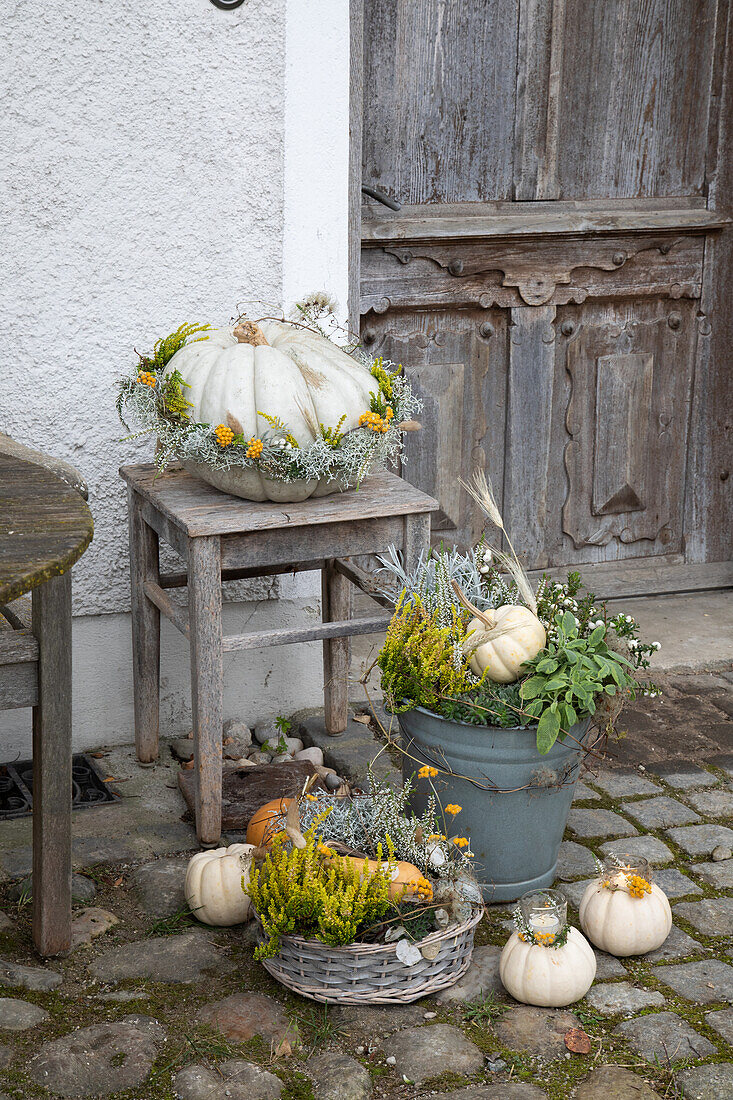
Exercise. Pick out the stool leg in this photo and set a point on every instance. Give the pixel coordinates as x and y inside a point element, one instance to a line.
<point>417,539</point>
<point>145,631</point>
<point>336,605</point>
<point>204,605</point>
<point>52,768</point>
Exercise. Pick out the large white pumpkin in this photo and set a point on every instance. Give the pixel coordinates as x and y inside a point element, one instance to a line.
<point>549,977</point>
<point>214,881</point>
<point>621,924</point>
<point>296,375</point>
<point>519,637</point>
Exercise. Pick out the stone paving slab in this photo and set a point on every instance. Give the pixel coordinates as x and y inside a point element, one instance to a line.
<point>711,1082</point>
<point>624,783</point>
<point>102,1060</point>
<point>502,1090</point>
<point>181,958</point>
<point>684,779</point>
<point>639,847</point>
<point>673,883</point>
<point>701,840</point>
<point>718,875</point>
<point>28,977</point>
<point>424,1052</point>
<point>711,916</point>
<point>338,1077</point>
<point>574,860</point>
<point>702,982</point>
<point>159,886</point>
<point>664,1035</point>
<point>538,1031</point>
<point>241,1016</point>
<point>660,812</point>
<point>614,1083</point>
<point>712,803</point>
<point>676,946</point>
<point>621,998</point>
<point>480,980</point>
<point>17,1015</point>
<point>582,793</point>
<point>231,1080</point>
<point>574,891</point>
<point>607,966</point>
<point>590,822</point>
<point>722,1021</point>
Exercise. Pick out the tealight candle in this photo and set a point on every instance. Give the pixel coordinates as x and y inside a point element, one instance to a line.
<point>545,913</point>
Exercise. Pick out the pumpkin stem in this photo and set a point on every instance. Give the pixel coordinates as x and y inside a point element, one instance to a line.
<point>247,332</point>
<point>487,617</point>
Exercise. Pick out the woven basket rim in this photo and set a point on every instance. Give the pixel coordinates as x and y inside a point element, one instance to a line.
<point>382,948</point>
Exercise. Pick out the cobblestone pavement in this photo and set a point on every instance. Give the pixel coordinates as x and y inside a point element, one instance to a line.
<point>150,1005</point>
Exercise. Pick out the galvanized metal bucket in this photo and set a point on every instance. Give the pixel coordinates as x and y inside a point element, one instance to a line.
<point>516,810</point>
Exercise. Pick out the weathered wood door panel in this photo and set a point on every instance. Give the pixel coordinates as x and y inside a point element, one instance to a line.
<point>458,373</point>
<point>433,132</point>
<point>550,282</point>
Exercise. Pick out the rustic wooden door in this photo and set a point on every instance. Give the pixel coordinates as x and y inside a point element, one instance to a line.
<point>557,281</point>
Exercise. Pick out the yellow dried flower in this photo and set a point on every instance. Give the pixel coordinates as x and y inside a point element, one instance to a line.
<point>147,378</point>
<point>452,809</point>
<point>638,886</point>
<point>459,841</point>
<point>224,435</point>
<point>427,773</point>
<point>255,448</point>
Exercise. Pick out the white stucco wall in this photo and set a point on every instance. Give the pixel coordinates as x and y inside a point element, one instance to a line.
<point>159,163</point>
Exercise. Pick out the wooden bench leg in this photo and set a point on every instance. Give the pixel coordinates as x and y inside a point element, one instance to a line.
<point>145,631</point>
<point>52,768</point>
<point>204,605</point>
<point>336,605</point>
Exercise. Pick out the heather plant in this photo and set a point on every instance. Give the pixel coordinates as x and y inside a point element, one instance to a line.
<point>310,891</point>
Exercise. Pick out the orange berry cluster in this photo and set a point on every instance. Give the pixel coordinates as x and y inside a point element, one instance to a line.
<point>255,448</point>
<point>459,841</point>
<point>224,435</point>
<point>638,886</point>
<point>147,378</point>
<point>544,939</point>
<point>376,422</point>
<point>421,887</point>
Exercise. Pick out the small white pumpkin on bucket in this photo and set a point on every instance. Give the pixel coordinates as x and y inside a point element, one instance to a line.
<point>623,912</point>
<point>544,962</point>
<point>215,882</point>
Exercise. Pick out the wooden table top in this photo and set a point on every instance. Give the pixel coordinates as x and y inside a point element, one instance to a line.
<point>45,526</point>
<point>197,508</point>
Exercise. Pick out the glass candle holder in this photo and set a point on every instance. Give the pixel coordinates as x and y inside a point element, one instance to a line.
<point>627,872</point>
<point>545,914</point>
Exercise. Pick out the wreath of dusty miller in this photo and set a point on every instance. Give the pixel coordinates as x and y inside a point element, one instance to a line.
<point>159,406</point>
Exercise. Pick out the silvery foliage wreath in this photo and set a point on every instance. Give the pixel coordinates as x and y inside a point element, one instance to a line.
<point>159,406</point>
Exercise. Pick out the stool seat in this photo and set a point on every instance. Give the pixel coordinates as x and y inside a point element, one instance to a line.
<point>221,537</point>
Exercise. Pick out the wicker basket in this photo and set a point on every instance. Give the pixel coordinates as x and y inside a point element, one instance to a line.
<point>366,973</point>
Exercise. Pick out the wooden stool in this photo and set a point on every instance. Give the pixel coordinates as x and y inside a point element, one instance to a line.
<point>45,526</point>
<point>220,538</point>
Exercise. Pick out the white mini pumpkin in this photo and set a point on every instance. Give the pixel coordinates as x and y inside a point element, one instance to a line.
<point>624,925</point>
<point>519,637</point>
<point>284,370</point>
<point>214,881</point>
<point>549,977</point>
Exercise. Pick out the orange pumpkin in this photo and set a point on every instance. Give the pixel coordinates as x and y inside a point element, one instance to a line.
<point>407,880</point>
<point>263,826</point>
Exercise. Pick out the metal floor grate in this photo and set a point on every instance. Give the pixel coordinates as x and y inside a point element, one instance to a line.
<point>16,787</point>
